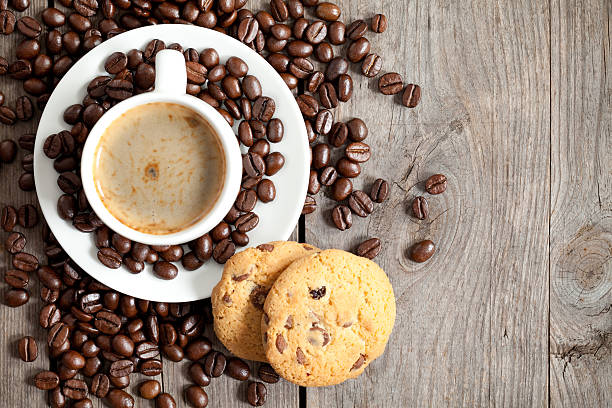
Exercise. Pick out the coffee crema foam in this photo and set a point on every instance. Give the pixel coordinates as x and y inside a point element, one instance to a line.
<point>159,168</point>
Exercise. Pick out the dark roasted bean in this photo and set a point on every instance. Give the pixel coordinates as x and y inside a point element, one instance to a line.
<point>256,391</point>
<point>342,218</point>
<point>369,249</point>
<point>379,191</point>
<point>436,184</point>
<point>390,83</point>
<point>422,251</point>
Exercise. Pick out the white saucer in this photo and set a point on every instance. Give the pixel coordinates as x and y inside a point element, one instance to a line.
<point>276,219</point>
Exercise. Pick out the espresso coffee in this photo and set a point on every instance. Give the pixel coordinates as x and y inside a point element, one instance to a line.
<point>159,168</point>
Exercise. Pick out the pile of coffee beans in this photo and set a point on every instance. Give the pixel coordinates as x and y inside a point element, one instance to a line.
<point>97,337</point>
<point>237,96</point>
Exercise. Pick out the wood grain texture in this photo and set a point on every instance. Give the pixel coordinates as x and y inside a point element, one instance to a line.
<point>438,354</point>
<point>581,196</point>
<point>16,377</point>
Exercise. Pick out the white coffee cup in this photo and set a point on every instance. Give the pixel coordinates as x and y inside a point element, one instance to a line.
<point>170,86</point>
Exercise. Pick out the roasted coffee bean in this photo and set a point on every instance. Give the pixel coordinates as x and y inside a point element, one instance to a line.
<point>420,208</point>
<point>337,33</point>
<point>237,369</point>
<point>120,399</point>
<point>87,8</point>
<point>145,76</point>
<point>62,65</point>
<point>299,48</point>
<point>35,86</point>
<point>119,89</point>
<point>245,134</point>
<point>46,380</point>
<point>369,249</point>
<point>9,218</point>
<point>56,398</point>
<point>379,23</point>
<point>267,374</point>
<point>296,9</point>
<point>72,114</point>
<point>279,10</point>
<point>72,42</point>
<point>109,258</point>
<point>239,238</point>
<point>75,389</point>
<point>121,244</point>
<point>78,23</point>
<point>263,108</point>
<point>215,364</point>
<point>191,262</point>
<point>49,316</point>
<point>25,262</point>
<point>236,67</point>
<point>328,11</point>
<point>313,182</point>
<point>90,302</point>
<point>173,352</point>
<point>300,68</point>
<point>422,251</point>
<point>358,50</point>
<point>194,394</point>
<point>379,191</point>
<point>256,391</point>
<point>360,203</point>
<point>198,376</point>
<point>324,121</point>
<point>275,130</point>
<point>357,152</point>
<point>16,278</point>
<point>266,191</point>
<point>253,165</point>
<point>280,31</point>
<point>335,68</point>
<point>314,81</point>
<point>30,27</point>
<point>220,231</point>
<point>231,87</point>
<point>356,29</point>
<point>327,95</point>
<point>342,218</point>
<point>280,62</point>
<point>149,389</point>
<point>411,95</point>
<point>7,22</point>
<point>338,134</point>
<point>20,69</point>
<point>224,250</point>
<point>84,403</point>
<point>49,278</point>
<point>308,105</point>
<point>358,130</point>
<point>217,73</point>
<point>122,382</point>
<point>115,63</point>
<point>28,349</point>
<point>26,181</point>
<point>371,65</point>
<point>321,155</point>
<point>328,176</point>
<point>49,295</point>
<point>165,400</point>
<point>26,142</point>
<point>324,52</point>
<point>341,189</point>
<point>121,368</point>
<point>165,270</point>
<point>107,322</point>
<point>436,184</point>
<point>92,114</point>
<point>15,242</point>
<point>102,237</point>
<point>7,115</point>
<point>310,205</point>
<point>247,222</point>
<point>203,247</point>
<point>316,32</point>
<point>390,83</point>
<point>274,162</point>
<point>147,350</point>
<point>196,72</point>
<point>16,297</point>
<point>123,345</point>
<point>66,206</point>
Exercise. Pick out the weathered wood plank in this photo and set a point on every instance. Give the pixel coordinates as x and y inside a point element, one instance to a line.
<point>581,222</point>
<point>438,354</point>
<point>16,386</point>
<point>520,180</point>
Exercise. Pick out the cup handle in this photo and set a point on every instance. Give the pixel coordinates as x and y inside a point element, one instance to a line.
<point>170,74</point>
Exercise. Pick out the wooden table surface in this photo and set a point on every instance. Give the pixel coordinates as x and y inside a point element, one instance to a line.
<point>514,308</point>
